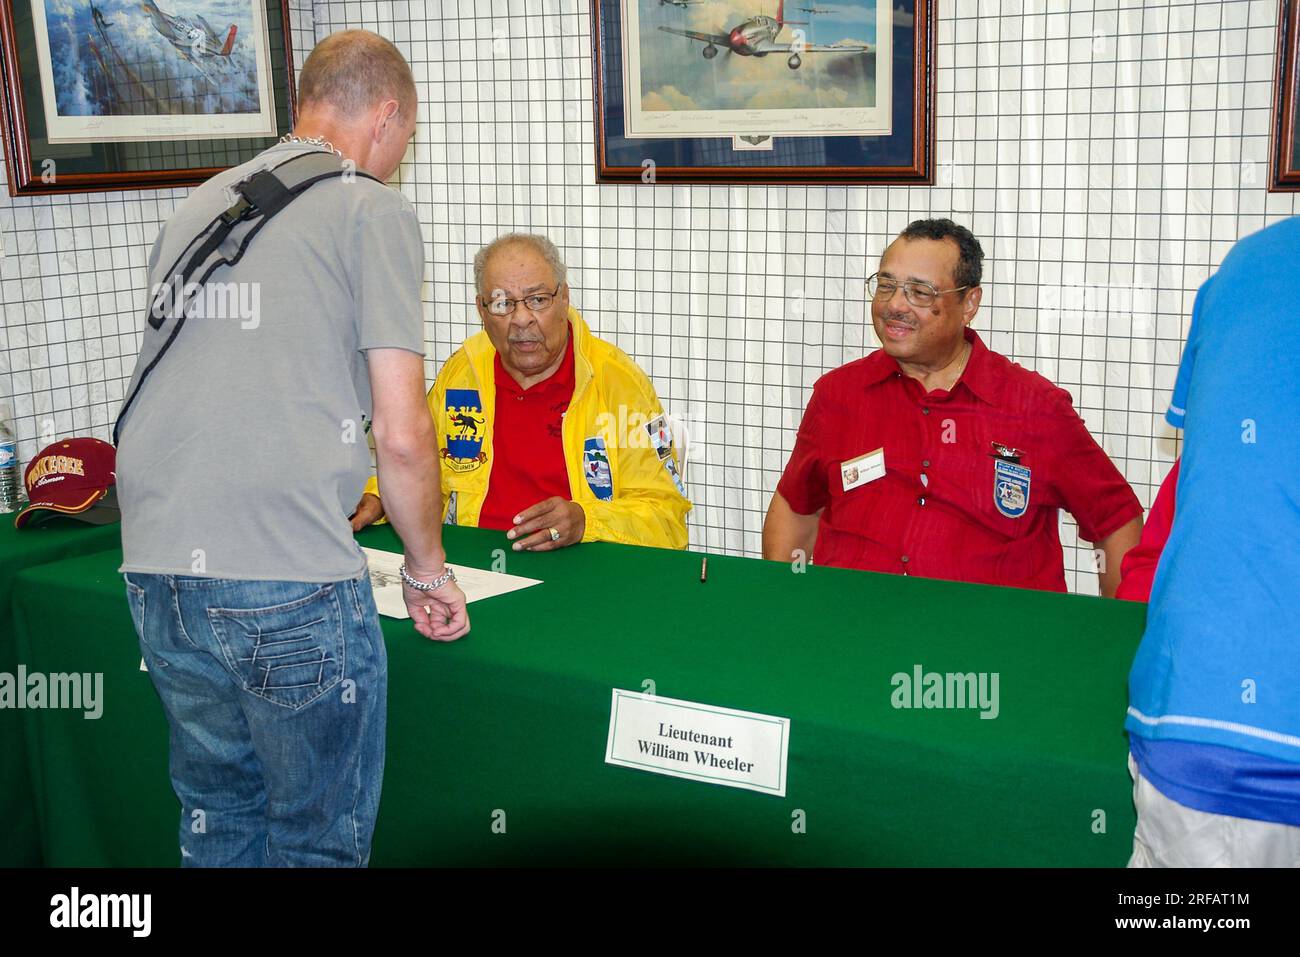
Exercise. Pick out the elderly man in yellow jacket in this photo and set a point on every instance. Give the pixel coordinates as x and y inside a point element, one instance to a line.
<point>544,430</point>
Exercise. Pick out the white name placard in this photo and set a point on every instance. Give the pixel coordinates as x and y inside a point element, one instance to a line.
<point>684,739</point>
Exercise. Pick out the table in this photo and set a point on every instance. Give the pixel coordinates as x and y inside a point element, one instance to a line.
<point>19,549</point>
<point>509,724</point>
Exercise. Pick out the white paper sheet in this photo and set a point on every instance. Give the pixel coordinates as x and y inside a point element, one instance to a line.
<point>476,583</point>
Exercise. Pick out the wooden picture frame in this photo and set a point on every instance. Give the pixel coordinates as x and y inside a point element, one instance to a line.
<point>1284,163</point>
<point>36,165</point>
<point>905,155</point>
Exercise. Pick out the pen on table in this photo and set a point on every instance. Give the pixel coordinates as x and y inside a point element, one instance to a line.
<point>704,569</point>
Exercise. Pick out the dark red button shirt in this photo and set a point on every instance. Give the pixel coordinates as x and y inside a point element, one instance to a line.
<point>527,443</point>
<point>935,511</point>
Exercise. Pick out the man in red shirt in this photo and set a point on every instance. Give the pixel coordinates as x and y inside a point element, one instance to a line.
<point>933,456</point>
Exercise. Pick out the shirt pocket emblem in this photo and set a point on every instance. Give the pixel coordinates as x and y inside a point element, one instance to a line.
<point>1010,488</point>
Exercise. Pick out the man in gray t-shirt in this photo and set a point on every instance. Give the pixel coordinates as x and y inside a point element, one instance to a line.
<point>241,455</point>
<point>244,454</point>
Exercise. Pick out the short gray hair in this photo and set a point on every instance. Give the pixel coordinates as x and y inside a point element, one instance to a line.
<point>544,247</point>
<point>353,71</point>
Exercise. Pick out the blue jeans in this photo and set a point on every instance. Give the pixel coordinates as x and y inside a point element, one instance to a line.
<point>275,693</point>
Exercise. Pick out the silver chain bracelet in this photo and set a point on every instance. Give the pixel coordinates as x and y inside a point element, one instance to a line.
<point>447,576</point>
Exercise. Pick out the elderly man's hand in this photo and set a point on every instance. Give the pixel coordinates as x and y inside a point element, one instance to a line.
<point>369,510</point>
<point>532,531</point>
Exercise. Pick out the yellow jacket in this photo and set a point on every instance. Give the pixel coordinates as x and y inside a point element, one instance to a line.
<point>622,458</point>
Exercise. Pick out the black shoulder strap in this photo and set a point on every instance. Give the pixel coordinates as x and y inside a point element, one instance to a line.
<point>224,240</point>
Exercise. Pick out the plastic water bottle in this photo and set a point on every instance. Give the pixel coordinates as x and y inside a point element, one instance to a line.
<point>10,481</point>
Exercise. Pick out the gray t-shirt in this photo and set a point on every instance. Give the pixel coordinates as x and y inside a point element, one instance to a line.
<point>245,450</point>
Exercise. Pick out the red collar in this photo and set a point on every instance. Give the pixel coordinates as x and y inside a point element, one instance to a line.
<point>978,376</point>
<point>558,382</point>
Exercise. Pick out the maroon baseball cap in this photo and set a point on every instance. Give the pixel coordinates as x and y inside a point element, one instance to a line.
<point>74,478</point>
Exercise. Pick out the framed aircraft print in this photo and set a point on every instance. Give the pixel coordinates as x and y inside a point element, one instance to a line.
<point>119,94</point>
<point>1285,159</point>
<point>772,91</point>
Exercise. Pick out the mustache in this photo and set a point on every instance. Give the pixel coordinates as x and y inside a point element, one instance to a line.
<point>901,318</point>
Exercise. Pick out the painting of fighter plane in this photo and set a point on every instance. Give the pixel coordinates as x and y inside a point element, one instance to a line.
<point>154,69</point>
<point>193,37</point>
<point>758,36</point>
<point>748,67</point>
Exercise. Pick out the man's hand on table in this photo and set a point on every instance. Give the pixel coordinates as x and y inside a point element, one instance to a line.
<point>439,614</point>
<point>532,531</point>
<point>369,510</point>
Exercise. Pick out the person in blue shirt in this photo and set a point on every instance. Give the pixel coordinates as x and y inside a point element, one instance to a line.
<point>1214,693</point>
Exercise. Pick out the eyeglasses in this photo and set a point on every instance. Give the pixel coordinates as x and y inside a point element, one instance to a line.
<point>537,302</point>
<point>919,294</point>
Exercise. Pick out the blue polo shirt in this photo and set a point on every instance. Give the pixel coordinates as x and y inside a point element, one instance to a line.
<point>1219,664</point>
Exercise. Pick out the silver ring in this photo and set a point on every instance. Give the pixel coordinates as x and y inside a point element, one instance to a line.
<point>555,535</point>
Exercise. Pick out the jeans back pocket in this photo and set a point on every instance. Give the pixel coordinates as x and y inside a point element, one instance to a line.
<point>289,654</point>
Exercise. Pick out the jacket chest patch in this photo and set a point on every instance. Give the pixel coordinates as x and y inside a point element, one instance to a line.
<point>465,429</point>
<point>595,468</point>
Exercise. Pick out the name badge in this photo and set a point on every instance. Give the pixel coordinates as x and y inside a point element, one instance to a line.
<point>863,469</point>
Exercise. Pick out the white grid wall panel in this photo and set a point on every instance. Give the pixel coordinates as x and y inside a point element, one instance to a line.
<point>1107,154</point>
<point>72,292</point>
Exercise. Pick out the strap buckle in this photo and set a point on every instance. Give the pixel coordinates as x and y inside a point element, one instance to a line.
<point>240,211</point>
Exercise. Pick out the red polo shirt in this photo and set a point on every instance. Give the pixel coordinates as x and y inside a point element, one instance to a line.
<point>527,443</point>
<point>935,512</point>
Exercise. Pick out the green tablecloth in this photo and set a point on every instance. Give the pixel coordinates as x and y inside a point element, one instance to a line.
<point>21,549</point>
<point>510,723</point>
